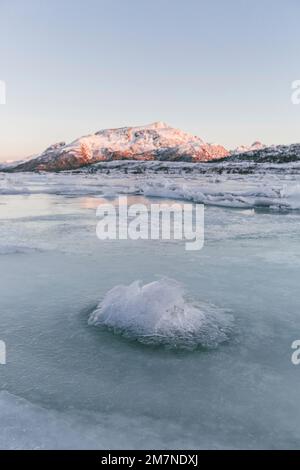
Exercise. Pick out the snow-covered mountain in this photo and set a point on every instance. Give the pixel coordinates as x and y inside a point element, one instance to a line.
<point>156,141</point>
<point>248,148</point>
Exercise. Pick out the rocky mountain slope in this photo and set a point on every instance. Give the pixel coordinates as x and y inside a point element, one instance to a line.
<point>272,154</point>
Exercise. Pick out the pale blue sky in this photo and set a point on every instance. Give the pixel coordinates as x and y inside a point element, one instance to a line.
<point>219,69</point>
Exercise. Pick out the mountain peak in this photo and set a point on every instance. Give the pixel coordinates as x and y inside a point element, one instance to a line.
<point>157,125</point>
<point>257,145</point>
<point>153,125</point>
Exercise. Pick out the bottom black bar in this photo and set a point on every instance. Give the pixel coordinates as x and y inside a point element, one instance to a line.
<point>136,459</point>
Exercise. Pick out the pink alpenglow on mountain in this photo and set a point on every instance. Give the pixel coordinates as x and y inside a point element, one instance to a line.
<point>249,148</point>
<point>156,141</point>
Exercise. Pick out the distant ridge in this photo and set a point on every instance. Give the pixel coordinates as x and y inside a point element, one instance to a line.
<point>271,154</point>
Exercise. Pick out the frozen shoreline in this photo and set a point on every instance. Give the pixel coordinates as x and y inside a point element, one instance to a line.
<point>262,190</point>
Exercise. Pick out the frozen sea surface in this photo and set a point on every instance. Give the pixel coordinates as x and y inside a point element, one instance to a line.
<point>72,384</point>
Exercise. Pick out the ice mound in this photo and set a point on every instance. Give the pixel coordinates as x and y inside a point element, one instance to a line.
<point>291,195</point>
<point>158,313</point>
<point>225,194</point>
